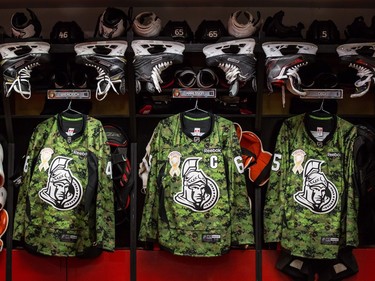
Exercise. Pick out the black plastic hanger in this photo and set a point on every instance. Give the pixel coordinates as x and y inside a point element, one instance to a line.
<point>70,109</point>
<point>196,108</point>
<point>321,112</point>
<point>321,108</point>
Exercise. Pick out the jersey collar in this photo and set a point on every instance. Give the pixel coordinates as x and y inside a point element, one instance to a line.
<point>197,125</point>
<point>77,121</point>
<point>313,120</point>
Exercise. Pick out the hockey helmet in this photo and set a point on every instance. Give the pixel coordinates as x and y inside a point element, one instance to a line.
<point>25,26</point>
<point>66,32</point>
<point>241,28</point>
<point>210,31</point>
<point>112,23</point>
<point>359,29</point>
<point>179,31</point>
<point>147,24</point>
<point>323,32</point>
<point>274,27</point>
<point>255,159</point>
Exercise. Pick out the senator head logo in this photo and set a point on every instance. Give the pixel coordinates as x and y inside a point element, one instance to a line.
<point>199,192</point>
<point>318,193</point>
<point>63,190</point>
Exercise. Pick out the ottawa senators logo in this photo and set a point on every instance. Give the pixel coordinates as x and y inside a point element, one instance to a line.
<point>199,192</point>
<point>63,190</point>
<point>318,193</point>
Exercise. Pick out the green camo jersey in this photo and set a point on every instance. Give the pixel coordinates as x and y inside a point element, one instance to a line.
<point>65,202</point>
<point>196,197</point>
<point>311,204</point>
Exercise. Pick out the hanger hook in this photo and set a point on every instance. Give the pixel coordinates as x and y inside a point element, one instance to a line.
<point>321,105</point>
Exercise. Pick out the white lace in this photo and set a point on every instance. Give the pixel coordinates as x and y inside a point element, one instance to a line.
<point>156,71</point>
<point>103,78</point>
<point>362,72</point>
<point>293,73</point>
<point>22,76</point>
<point>231,71</point>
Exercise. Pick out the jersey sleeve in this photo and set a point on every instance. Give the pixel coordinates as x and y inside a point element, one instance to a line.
<point>105,219</point>
<point>35,145</point>
<point>351,229</point>
<point>274,200</point>
<point>149,221</point>
<point>242,224</point>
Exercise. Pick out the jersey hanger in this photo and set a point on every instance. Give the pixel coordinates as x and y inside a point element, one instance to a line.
<point>321,108</point>
<point>70,109</point>
<point>196,108</point>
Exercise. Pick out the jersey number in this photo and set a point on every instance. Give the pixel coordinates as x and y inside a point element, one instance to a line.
<point>276,162</point>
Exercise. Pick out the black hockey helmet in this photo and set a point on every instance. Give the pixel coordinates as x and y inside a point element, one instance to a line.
<point>210,31</point>
<point>323,32</point>
<point>360,30</point>
<point>274,27</point>
<point>179,31</point>
<point>25,26</point>
<point>66,32</point>
<point>112,23</point>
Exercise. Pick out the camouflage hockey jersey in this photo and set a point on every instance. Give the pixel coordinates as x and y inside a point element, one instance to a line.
<point>65,202</point>
<point>311,203</point>
<point>196,198</point>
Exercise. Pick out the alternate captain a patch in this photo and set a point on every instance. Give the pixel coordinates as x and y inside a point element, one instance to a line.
<point>199,192</point>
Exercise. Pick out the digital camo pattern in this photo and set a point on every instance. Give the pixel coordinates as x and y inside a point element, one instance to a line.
<point>311,204</point>
<point>199,207</point>
<point>65,202</point>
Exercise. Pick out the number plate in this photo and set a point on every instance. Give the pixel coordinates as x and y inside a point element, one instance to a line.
<point>193,93</point>
<point>323,94</point>
<point>68,94</point>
